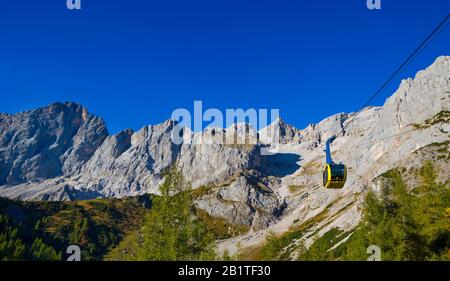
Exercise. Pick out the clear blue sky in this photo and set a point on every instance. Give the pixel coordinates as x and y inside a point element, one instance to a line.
<point>133,62</point>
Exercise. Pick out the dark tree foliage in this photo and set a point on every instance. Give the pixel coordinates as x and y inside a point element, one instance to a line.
<point>14,246</point>
<point>171,230</point>
<point>407,224</point>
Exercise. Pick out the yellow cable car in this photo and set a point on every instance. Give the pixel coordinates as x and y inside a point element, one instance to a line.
<point>334,175</point>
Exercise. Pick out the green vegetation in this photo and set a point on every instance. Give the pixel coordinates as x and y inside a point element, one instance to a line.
<point>126,250</point>
<point>245,145</point>
<point>439,144</point>
<point>43,230</point>
<point>208,189</point>
<point>171,230</point>
<point>406,223</point>
<point>296,188</point>
<point>19,243</point>
<point>220,227</point>
<point>275,248</point>
<point>115,229</point>
<point>442,149</point>
<point>321,248</point>
<point>280,247</point>
<point>441,117</point>
<point>41,251</point>
<point>203,190</point>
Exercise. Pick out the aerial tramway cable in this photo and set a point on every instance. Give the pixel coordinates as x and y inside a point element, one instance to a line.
<point>334,174</point>
<point>408,60</point>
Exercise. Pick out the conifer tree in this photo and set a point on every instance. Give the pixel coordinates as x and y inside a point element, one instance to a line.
<point>171,231</point>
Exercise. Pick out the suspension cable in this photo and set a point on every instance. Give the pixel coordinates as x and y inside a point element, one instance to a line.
<point>408,60</point>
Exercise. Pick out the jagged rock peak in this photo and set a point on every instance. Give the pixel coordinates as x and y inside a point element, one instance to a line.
<point>279,131</point>
<point>47,142</point>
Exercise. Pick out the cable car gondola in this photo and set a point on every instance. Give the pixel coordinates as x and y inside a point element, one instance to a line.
<point>334,175</point>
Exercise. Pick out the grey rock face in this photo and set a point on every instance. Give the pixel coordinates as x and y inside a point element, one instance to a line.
<point>219,162</point>
<point>280,132</point>
<point>416,99</point>
<point>130,163</point>
<point>243,203</point>
<point>376,140</point>
<point>61,152</point>
<point>48,142</point>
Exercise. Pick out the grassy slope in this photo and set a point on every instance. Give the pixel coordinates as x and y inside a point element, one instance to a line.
<point>95,225</point>
<point>331,245</point>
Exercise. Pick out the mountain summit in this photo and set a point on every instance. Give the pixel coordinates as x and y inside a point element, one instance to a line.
<point>61,152</point>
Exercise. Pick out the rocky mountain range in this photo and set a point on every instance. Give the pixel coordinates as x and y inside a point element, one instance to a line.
<point>62,152</point>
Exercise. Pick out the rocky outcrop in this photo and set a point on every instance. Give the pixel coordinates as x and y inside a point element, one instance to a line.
<point>280,132</point>
<point>130,163</point>
<point>246,202</point>
<point>48,142</point>
<point>413,119</point>
<point>61,152</point>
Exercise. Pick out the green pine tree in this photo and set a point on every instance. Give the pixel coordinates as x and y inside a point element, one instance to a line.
<point>41,251</point>
<point>171,231</point>
<point>405,224</point>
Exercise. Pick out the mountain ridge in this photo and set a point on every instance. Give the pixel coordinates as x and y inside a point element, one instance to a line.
<point>69,155</point>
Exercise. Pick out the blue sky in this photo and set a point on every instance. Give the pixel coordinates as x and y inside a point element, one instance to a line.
<point>133,62</point>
